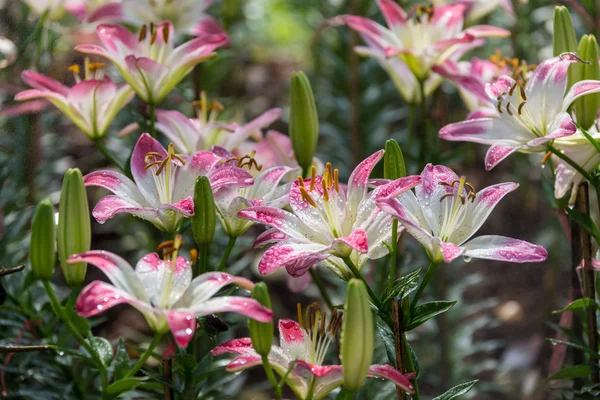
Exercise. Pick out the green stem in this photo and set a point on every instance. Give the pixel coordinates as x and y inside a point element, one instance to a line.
<point>311,389</point>
<point>152,119</point>
<point>393,254</point>
<point>358,275</point>
<point>430,270</point>
<point>271,376</point>
<point>144,356</point>
<point>345,395</point>
<point>203,259</point>
<point>108,155</point>
<point>60,312</point>
<point>569,161</point>
<point>410,128</point>
<point>317,279</point>
<point>227,253</point>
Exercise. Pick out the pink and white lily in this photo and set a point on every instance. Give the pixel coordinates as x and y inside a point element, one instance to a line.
<point>328,222</point>
<point>188,16</point>
<point>150,62</point>
<point>202,133</point>
<point>265,192</point>
<point>426,39</point>
<point>164,292</point>
<point>579,149</point>
<point>471,78</point>
<point>531,114</point>
<point>444,212</point>
<point>91,104</point>
<point>307,349</point>
<point>477,9</point>
<point>163,184</point>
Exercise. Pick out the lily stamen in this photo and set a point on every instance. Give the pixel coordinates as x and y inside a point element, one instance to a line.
<point>306,197</point>
<point>319,329</point>
<point>313,176</point>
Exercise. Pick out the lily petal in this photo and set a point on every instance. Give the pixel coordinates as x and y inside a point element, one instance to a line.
<point>297,258</point>
<point>98,297</point>
<point>388,372</point>
<point>502,248</point>
<point>497,153</point>
<point>237,304</point>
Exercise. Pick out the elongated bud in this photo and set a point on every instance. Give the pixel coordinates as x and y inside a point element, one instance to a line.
<point>42,248</point>
<point>564,40</point>
<point>74,231</point>
<point>304,121</point>
<point>586,107</point>
<point>357,342</point>
<point>393,161</point>
<point>261,333</point>
<point>203,220</point>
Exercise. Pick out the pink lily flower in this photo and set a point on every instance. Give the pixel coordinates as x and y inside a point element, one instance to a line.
<point>202,133</point>
<point>328,222</point>
<point>188,16</point>
<point>55,8</point>
<point>91,104</point>
<point>264,192</point>
<point>163,184</point>
<point>164,292</point>
<point>471,78</point>
<point>445,211</point>
<point>477,9</point>
<point>149,62</point>
<point>307,347</point>
<point>579,149</point>
<point>428,38</point>
<point>530,114</point>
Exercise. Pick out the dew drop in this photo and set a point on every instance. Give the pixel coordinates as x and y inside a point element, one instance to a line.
<point>188,331</point>
<point>467,258</point>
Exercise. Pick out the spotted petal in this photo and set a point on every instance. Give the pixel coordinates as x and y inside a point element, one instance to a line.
<point>297,258</point>
<point>98,297</point>
<point>501,248</point>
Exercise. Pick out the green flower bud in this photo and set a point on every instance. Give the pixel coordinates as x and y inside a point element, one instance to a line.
<point>586,107</point>
<point>74,230</point>
<point>304,121</point>
<point>203,220</point>
<point>564,40</point>
<point>261,333</point>
<point>357,341</point>
<point>42,248</point>
<point>393,161</point>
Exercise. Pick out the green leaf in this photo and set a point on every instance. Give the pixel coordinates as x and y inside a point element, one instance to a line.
<point>121,362</point>
<point>426,311</point>
<point>186,362</point>
<point>457,390</point>
<point>586,222</point>
<point>572,371</point>
<point>102,347</point>
<point>578,304</point>
<point>415,359</point>
<point>401,288</point>
<point>574,345</point>
<point>124,385</point>
<point>387,336</point>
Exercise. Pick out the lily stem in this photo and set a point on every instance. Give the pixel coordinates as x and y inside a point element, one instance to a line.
<point>60,312</point>
<point>138,365</point>
<point>271,376</point>
<point>108,155</point>
<point>569,161</point>
<point>411,368</point>
<point>152,117</point>
<point>430,270</point>
<point>227,253</point>
<point>322,289</point>
<point>358,275</point>
<point>393,254</point>
<point>399,341</point>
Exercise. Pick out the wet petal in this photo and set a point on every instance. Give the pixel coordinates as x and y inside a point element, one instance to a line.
<point>182,324</point>
<point>237,304</point>
<point>164,281</point>
<point>388,372</point>
<point>98,297</point>
<point>297,258</point>
<point>502,248</point>
<point>497,153</point>
<point>205,286</point>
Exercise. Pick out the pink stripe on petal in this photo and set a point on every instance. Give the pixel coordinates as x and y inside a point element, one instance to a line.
<point>269,236</point>
<point>357,240</point>
<point>113,36</point>
<point>290,332</point>
<point>98,297</point>
<point>182,325</point>
<point>303,367</point>
<point>243,362</point>
<point>580,89</point>
<point>467,130</point>
<point>114,181</point>
<point>499,86</point>
<point>491,195</point>
<point>237,346</point>
<point>388,372</point>
<point>185,206</point>
<point>108,206</point>
<point>92,49</point>
<point>394,14</point>
<point>506,249</point>
<point>42,82</point>
<point>230,175</point>
<point>297,258</point>
<point>237,304</point>
<point>496,153</point>
<point>397,187</point>
<point>450,251</point>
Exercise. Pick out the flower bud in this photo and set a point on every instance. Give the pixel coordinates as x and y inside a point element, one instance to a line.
<point>304,121</point>
<point>261,333</point>
<point>203,220</point>
<point>74,230</point>
<point>357,342</point>
<point>42,247</point>
<point>393,161</point>
<point>564,40</point>
<point>586,107</point>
